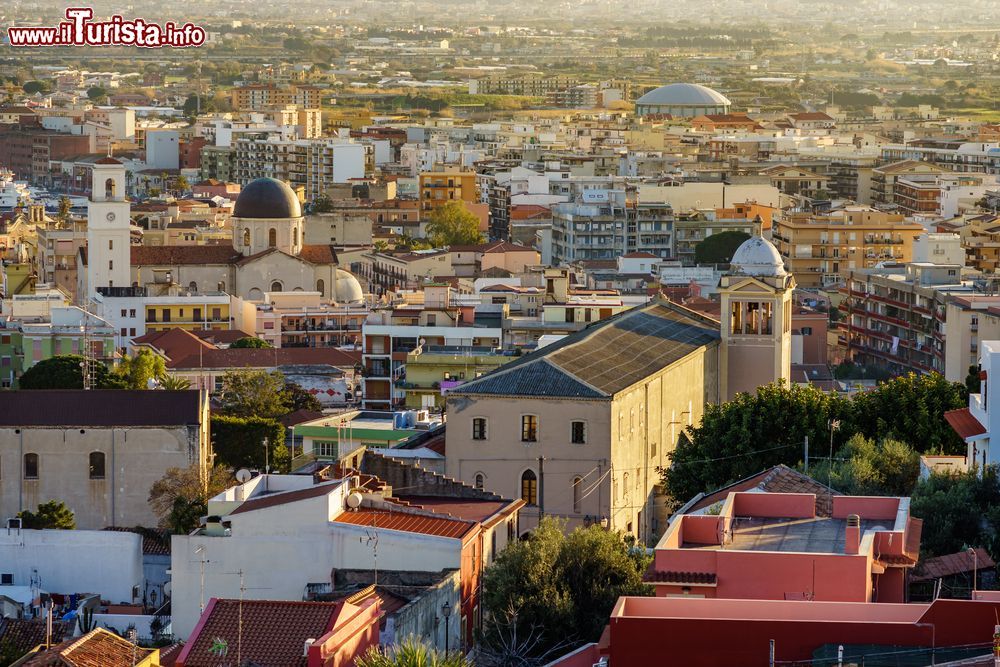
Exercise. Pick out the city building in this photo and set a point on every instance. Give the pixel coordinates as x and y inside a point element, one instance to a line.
<point>820,250</point>
<point>437,188</point>
<point>684,100</point>
<point>98,451</point>
<point>258,97</point>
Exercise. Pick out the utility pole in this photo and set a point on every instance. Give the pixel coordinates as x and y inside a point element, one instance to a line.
<point>541,487</point>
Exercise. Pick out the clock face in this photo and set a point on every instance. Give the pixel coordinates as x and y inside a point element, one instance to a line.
<point>110,216</point>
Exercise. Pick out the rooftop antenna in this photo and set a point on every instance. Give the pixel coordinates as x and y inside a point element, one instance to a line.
<point>371,539</point>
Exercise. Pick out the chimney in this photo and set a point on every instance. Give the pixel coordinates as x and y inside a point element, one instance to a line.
<point>307,646</point>
<point>852,539</point>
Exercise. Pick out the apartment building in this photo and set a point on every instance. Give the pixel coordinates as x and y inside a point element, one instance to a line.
<point>531,84</point>
<point>389,335</point>
<point>386,271</point>
<point>929,194</point>
<point>949,155</point>
<point>303,319</point>
<point>693,227</point>
<point>884,178</point>
<point>603,224</point>
<point>257,97</point>
<point>821,249</point>
<point>895,315</point>
<point>312,164</point>
<point>437,188</point>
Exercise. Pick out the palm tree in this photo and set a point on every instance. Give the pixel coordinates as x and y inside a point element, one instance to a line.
<point>174,383</point>
<point>411,653</point>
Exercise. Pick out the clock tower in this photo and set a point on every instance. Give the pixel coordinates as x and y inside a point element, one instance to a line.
<point>107,228</point>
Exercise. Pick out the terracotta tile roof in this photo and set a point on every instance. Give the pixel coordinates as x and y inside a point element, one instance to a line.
<point>408,523</point>
<point>469,509</point>
<point>169,654</point>
<point>952,564</point>
<point>221,337</point>
<point>285,497</point>
<point>639,255</point>
<point>23,634</point>
<point>298,417</point>
<point>964,423</point>
<point>810,115</point>
<point>779,479</point>
<point>155,541</point>
<point>180,255</point>
<point>266,358</point>
<point>174,343</point>
<point>677,577</point>
<point>98,648</point>
<point>97,408</point>
<point>273,632</point>
<point>319,254</point>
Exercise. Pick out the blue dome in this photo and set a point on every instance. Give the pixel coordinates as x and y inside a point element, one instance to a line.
<point>682,94</point>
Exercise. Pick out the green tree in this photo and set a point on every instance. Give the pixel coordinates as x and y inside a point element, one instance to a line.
<point>64,371</point>
<point>32,87</point>
<point>179,499</point>
<point>65,206</point>
<point>719,248</point>
<point>973,381</point>
<point>453,224</point>
<point>557,587</point>
<point>866,468</point>
<point>136,372</point>
<point>238,442</point>
<point>174,383</point>
<point>322,204</point>
<point>959,510</point>
<point>254,393</point>
<point>96,93</point>
<point>251,342</point>
<point>411,653</point>
<point>51,514</point>
<point>300,399</point>
<point>182,184</point>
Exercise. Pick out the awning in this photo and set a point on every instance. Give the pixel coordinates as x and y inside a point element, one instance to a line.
<point>964,423</point>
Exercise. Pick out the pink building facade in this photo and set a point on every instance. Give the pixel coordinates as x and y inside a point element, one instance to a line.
<point>774,546</point>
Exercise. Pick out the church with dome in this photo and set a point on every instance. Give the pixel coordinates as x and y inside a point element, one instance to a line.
<point>268,254</point>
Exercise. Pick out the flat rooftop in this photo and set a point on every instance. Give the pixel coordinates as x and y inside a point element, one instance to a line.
<point>816,535</point>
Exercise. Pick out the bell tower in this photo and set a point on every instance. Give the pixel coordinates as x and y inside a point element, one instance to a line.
<point>756,295</point>
<point>107,228</point>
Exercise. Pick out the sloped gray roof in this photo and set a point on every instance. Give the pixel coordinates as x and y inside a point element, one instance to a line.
<point>603,359</point>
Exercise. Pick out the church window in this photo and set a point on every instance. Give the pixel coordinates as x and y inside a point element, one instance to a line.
<point>276,286</point>
<point>272,237</point>
<point>321,287</point>
<point>246,236</point>
<point>295,236</point>
<point>109,188</point>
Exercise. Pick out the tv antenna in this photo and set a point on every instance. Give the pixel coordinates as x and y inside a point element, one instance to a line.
<point>371,539</point>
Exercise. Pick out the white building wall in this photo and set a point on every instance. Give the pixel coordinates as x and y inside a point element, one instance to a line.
<point>108,563</point>
<point>163,149</point>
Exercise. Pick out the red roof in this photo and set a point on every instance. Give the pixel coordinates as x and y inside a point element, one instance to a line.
<point>247,357</point>
<point>285,497</point>
<point>98,648</point>
<point>273,631</point>
<point>640,255</point>
<point>964,423</point>
<point>952,564</point>
<point>408,523</point>
<point>183,254</point>
<point>470,509</point>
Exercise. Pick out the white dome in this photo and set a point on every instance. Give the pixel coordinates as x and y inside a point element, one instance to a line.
<point>757,257</point>
<point>684,94</point>
<point>347,289</point>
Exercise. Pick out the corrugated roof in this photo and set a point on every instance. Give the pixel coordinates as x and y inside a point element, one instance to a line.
<point>407,523</point>
<point>99,407</point>
<point>273,632</point>
<point>605,358</point>
<point>964,423</point>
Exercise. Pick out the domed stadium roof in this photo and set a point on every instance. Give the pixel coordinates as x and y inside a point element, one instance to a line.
<point>757,257</point>
<point>347,289</point>
<point>267,198</point>
<point>678,94</point>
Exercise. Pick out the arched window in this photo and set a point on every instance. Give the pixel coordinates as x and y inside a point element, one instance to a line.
<point>31,466</point>
<point>193,286</point>
<point>255,294</point>
<point>97,465</point>
<point>246,236</point>
<point>295,236</point>
<point>480,480</point>
<point>321,287</point>
<point>276,286</point>
<point>577,493</point>
<point>109,188</point>
<point>529,487</point>
<point>222,286</point>
<point>272,237</point>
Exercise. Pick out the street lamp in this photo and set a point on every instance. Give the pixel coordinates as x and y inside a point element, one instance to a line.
<point>446,612</point>
<point>975,571</point>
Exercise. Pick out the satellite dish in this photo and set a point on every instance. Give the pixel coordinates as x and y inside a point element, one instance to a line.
<point>243,475</point>
<point>354,500</point>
